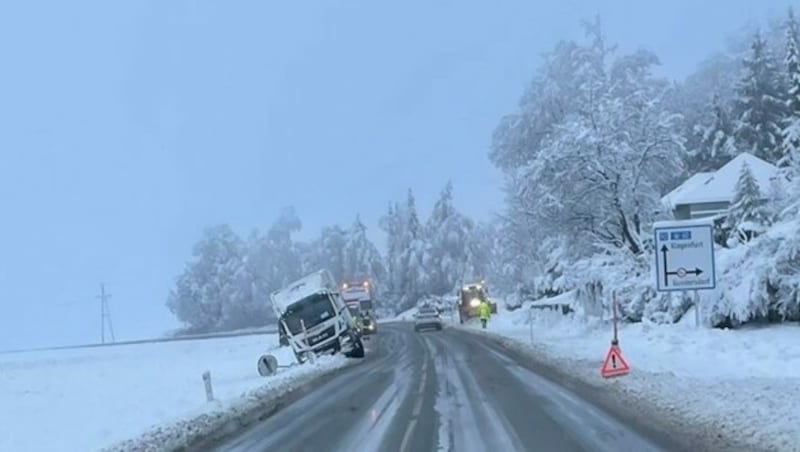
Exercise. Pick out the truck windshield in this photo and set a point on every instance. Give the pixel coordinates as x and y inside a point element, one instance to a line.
<point>471,293</point>
<point>311,310</point>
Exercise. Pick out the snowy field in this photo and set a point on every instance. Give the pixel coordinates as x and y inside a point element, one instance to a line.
<point>743,383</point>
<point>88,399</point>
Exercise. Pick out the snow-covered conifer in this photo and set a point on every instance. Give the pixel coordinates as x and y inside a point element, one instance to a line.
<point>790,156</point>
<point>717,142</point>
<point>747,215</point>
<point>447,233</point>
<point>760,106</point>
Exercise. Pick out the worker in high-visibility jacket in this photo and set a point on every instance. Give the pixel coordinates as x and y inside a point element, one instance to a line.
<point>484,311</point>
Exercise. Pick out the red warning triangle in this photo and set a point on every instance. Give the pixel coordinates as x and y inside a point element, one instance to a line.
<point>615,364</point>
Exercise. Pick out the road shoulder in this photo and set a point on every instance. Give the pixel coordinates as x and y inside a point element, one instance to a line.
<point>627,400</point>
<point>202,430</point>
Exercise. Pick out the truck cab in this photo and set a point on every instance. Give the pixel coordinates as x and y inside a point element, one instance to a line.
<point>313,318</point>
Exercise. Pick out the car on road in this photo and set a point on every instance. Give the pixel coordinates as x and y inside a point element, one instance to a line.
<point>368,324</point>
<point>427,317</point>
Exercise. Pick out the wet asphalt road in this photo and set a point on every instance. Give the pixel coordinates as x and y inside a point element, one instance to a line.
<point>438,391</point>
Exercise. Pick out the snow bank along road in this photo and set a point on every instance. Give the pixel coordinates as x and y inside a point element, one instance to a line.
<point>444,391</point>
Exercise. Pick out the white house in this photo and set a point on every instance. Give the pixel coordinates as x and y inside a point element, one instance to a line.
<point>710,194</point>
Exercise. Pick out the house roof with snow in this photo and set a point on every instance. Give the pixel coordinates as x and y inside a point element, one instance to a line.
<point>673,198</point>
<point>720,185</point>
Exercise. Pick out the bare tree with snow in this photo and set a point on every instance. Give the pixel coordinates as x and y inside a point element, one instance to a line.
<point>602,170</point>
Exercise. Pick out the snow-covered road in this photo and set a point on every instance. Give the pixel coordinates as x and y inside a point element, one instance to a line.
<point>444,391</point>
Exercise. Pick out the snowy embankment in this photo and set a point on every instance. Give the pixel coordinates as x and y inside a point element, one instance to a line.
<point>405,316</point>
<point>739,384</point>
<point>88,399</point>
<point>445,304</point>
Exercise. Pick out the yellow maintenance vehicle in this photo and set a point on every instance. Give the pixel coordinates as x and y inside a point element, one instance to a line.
<point>469,298</point>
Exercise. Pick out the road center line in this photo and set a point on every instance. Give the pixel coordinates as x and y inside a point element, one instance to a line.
<point>417,407</point>
<point>407,436</point>
<point>424,378</point>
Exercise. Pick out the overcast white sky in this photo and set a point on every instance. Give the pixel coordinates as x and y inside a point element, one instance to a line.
<point>127,127</point>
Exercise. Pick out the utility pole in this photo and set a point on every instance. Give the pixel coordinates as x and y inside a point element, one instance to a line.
<point>105,315</point>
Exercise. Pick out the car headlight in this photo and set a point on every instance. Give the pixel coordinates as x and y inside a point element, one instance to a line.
<point>475,302</point>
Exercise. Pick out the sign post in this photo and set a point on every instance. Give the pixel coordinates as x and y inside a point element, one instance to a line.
<point>614,341</point>
<point>697,308</point>
<point>685,258</point>
<point>614,365</point>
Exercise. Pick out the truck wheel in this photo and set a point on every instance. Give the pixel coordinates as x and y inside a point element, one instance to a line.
<point>358,349</point>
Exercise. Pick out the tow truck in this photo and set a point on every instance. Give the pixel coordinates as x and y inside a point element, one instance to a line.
<point>358,297</point>
<point>470,296</point>
<point>313,318</point>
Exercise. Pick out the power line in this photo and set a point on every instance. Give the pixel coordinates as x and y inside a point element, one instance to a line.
<point>105,315</point>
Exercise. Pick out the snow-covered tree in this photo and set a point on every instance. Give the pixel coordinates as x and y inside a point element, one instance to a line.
<point>275,258</point>
<point>591,182</point>
<point>392,225</point>
<point>480,258</point>
<point>717,143</point>
<point>747,215</point>
<point>411,265</point>
<point>760,106</point>
<point>361,256</point>
<point>448,236</point>
<point>711,84</point>
<point>329,251</point>
<point>405,281</point>
<point>604,168</point>
<point>790,158</point>
<point>519,136</point>
<point>217,289</point>
<point>347,253</point>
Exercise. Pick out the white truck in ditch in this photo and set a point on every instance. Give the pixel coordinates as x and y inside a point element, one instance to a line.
<point>314,318</point>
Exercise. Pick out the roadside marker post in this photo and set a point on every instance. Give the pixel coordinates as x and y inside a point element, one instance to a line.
<point>685,258</point>
<point>207,385</point>
<point>530,322</point>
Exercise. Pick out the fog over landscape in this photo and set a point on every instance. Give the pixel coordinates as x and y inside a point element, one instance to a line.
<point>128,129</point>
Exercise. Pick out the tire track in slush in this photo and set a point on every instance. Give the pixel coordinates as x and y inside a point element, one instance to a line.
<point>368,434</point>
<point>467,419</point>
<point>308,411</point>
<point>419,396</point>
<point>587,424</point>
